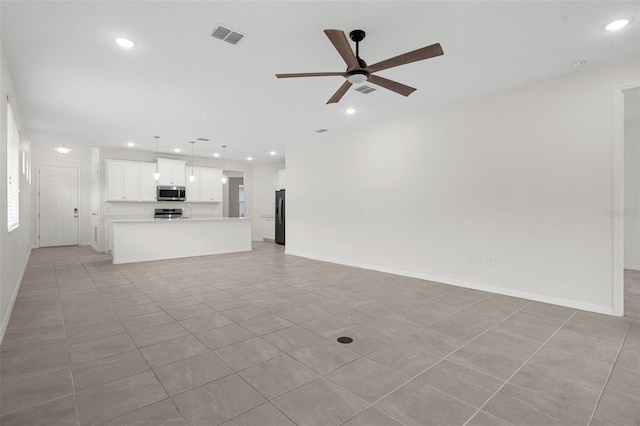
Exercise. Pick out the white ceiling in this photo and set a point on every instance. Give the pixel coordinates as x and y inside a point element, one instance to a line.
<point>75,86</point>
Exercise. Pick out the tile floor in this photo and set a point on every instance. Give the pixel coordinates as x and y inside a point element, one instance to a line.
<point>250,339</point>
<point>632,292</point>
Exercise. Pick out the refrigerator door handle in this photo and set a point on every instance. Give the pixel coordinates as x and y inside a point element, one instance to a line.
<point>280,210</point>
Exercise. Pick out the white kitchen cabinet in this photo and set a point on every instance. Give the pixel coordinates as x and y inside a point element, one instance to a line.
<point>172,172</point>
<point>207,188</point>
<point>148,184</point>
<point>193,188</point>
<point>210,185</point>
<point>130,181</point>
<point>123,181</point>
<point>115,180</point>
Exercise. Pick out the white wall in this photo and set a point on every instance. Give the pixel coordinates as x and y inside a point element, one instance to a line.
<point>15,246</point>
<point>264,187</point>
<point>523,177</point>
<point>82,158</point>
<point>632,185</point>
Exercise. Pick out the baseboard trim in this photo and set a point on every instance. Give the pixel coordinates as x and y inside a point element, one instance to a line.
<point>608,310</point>
<point>632,267</point>
<point>14,296</point>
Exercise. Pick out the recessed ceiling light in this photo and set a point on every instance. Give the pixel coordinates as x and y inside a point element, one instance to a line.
<point>350,110</point>
<point>215,154</point>
<point>250,158</point>
<point>176,150</point>
<point>272,152</point>
<point>125,43</point>
<point>618,24</point>
<point>131,144</point>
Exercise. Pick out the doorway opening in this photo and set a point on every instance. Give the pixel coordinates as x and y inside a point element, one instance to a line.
<point>234,199</point>
<point>618,199</point>
<point>631,200</point>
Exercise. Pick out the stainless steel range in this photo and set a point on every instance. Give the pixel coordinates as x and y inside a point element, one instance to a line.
<point>168,214</point>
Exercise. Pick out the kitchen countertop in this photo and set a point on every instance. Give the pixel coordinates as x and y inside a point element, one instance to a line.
<point>195,219</point>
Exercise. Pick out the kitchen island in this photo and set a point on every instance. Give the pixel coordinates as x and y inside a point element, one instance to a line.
<point>141,240</point>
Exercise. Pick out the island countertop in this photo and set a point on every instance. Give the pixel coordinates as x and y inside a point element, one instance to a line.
<point>182,219</point>
<point>140,240</point>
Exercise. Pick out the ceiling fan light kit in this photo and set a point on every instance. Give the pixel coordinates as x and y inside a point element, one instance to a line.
<point>357,69</point>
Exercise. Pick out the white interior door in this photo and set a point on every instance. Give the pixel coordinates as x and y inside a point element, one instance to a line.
<point>58,206</point>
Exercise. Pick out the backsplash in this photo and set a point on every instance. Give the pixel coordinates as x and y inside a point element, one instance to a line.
<point>112,210</point>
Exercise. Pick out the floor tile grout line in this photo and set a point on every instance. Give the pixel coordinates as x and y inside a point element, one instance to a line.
<point>100,288</point>
<point>411,378</point>
<point>613,365</point>
<point>64,328</point>
<point>267,400</point>
<point>521,366</point>
<point>145,360</point>
<point>40,403</point>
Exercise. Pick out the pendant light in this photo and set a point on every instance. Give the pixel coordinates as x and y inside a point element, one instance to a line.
<point>192,178</point>
<point>224,177</point>
<point>156,175</point>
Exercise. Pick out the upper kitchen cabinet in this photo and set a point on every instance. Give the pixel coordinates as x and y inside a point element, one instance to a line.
<point>207,188</point>
<point>148,184</point>
<point>172,172</point>
<point>130,181</point>
<point>123,181</point>
<point>193,188</point>
<point>210,185</point>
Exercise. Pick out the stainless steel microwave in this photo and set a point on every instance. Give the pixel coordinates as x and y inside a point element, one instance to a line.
<point>172,193</point>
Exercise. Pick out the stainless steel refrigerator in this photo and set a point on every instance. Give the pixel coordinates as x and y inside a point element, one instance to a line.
<point>280,216</point>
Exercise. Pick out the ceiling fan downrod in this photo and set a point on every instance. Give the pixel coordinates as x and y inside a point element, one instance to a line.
<point>357,36</point>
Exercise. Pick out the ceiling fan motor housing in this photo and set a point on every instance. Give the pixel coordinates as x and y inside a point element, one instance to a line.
<point>357,76</point>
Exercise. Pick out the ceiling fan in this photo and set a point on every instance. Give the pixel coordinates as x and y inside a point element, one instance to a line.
<point>357,69</point>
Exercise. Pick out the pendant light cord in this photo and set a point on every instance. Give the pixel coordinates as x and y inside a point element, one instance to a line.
<point>157,137</point>
<point>224,156</point>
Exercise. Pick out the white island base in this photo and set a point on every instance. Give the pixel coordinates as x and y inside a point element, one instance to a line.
<point>146,240</point>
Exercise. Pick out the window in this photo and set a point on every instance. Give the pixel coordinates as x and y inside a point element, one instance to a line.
<point>13,171</point>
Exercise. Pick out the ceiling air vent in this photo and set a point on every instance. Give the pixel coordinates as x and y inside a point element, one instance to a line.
<point>365,89</point>
<point>321,130</point>
<point>203,139</point>
<point>225,34</point>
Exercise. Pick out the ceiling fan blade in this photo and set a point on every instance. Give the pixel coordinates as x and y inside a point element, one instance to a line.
<point>394,86</point>
<point>312,74</point>
<point>341,44</point>
<point>340,93</point>
<point>407,58</point>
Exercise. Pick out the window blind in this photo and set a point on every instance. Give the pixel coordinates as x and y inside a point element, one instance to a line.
<point>13,170</point>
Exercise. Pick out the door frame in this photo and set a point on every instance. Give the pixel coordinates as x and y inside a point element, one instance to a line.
<point>617,216</point>
<point>37,218</point>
